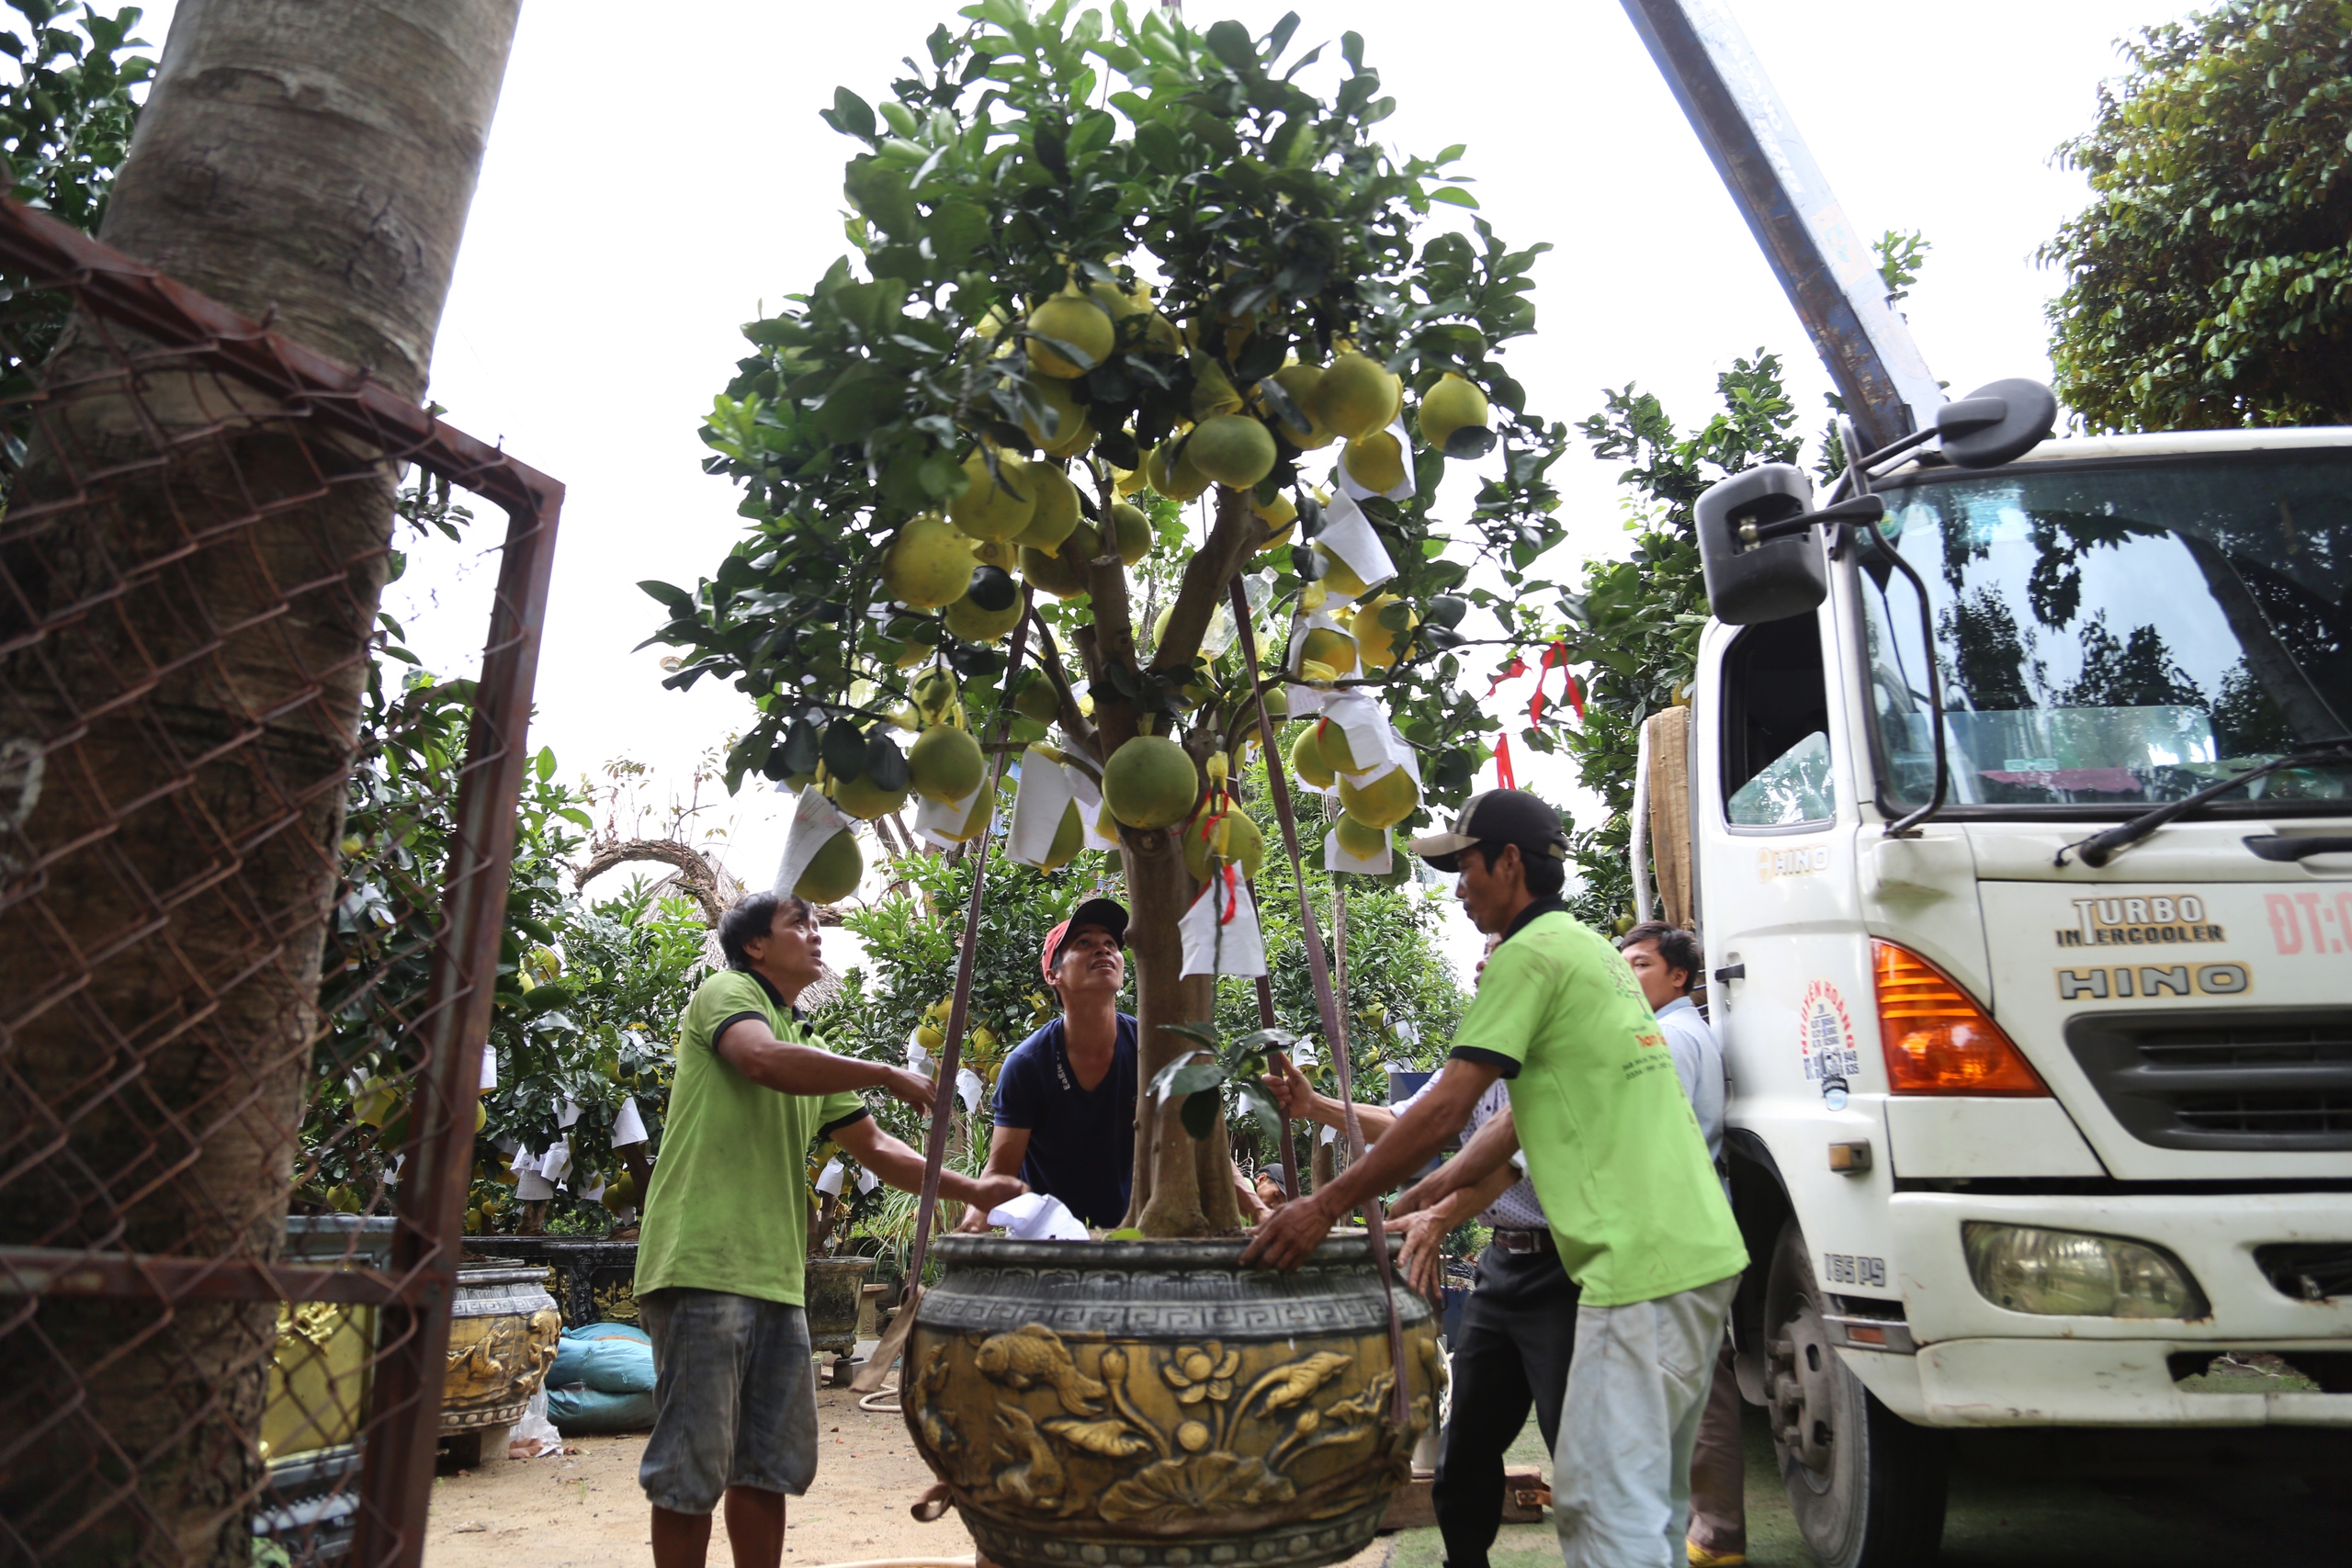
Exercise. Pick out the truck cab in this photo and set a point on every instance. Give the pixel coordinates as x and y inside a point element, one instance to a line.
<point>2021,1139</point>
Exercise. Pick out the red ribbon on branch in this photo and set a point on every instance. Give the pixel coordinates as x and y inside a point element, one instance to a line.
<point>1555,654</point>
<point>1504,777</point>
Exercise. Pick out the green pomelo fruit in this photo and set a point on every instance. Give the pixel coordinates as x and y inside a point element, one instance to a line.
<point>1355,395</point>
<point>1384,802</point>
<point>860,798</point>
<point>946,764</point>
<point>1332,742</point>
<point>1064,413</point>
<point>1335,649</point>
<point>1150,783</point>
<point>1306,759</point>
<point>988,510</point>
<point>1453,404</point>
<point>1360,839</point>
<point>927,564</point>
<point>1054,572</point>
<point>1036,699</point>
<point>1055,513</point>
<point>1305,385</point>
<point>1132,529</point>
<point>833,870</point>
<point>1181,483</point>
<point>1375,461</point>
<point>1244,845</point>
<point>1071,317</point>
<point>1233,450</point>
<point>1070,837</point>
<point>972,623</point>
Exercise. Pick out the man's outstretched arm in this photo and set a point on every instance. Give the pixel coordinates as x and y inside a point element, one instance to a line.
<point>751,1047</point>
<point>894,1163</point>
<point>1007,1146</point>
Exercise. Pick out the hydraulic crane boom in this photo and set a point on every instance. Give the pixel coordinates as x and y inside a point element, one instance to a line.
<point>1822,264</point>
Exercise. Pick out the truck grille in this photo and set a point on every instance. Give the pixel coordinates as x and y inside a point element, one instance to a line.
<point>2277,1079</point>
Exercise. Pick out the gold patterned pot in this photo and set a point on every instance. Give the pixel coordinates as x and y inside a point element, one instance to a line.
<point>503,1333</point>
<point>831,1288</point>
<point>1155,1404</point>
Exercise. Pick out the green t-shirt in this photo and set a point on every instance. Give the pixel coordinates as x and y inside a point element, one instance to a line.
<point>1611,1145</point>
<point>728,1208</point>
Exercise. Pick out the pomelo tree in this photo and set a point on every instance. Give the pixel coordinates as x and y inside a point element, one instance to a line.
<point>1102,263</point>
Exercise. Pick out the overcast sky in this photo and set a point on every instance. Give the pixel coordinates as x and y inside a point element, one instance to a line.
<point>654,175</point>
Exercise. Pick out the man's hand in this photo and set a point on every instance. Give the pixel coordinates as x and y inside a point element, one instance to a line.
<point>990,1193</point>
<point>1289,1089</point>
<point>975,1221</point>
<point>1421,1259</point>
<point>1285,1237</point>
<point>914,1088</point>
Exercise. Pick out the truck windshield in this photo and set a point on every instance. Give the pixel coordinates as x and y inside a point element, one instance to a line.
<point>2115,636</point>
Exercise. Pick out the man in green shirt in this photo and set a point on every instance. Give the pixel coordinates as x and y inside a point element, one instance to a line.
<point>1618,1161</point>
<point>722,1252</point>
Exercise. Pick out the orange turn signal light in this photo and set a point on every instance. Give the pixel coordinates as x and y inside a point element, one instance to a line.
<point>1935,1037</point>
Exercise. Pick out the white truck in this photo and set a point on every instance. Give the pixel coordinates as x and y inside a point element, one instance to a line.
<point>2014,807</point>
<point>2027,1128</point>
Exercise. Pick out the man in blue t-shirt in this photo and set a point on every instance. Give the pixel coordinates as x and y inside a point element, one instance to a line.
<point>1065,1103</point>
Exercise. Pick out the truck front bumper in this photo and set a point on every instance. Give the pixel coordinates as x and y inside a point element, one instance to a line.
<point>1982,1365</point>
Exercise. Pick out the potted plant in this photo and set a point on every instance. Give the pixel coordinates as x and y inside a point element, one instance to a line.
<point>1107,268</point>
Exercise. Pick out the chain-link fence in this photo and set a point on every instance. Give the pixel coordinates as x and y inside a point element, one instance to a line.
<point>253,892</point>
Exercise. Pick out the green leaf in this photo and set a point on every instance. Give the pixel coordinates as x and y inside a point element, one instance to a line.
<point>852,115</point>
<point>1200,1113</point>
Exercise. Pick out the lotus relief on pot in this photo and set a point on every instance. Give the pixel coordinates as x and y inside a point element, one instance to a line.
<point>1175,1411</point>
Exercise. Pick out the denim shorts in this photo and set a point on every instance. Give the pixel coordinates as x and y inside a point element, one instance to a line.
<point>734,1398</point>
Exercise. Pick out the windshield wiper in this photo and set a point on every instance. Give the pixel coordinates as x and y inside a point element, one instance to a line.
<point>2101,847</point>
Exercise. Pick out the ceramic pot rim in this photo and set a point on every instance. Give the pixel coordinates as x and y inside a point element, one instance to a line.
<point>1221,1253</point>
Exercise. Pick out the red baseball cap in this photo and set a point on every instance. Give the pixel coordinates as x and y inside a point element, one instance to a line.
<point>1106,913</point>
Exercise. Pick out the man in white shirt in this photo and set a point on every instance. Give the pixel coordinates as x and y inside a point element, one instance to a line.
<point>1667,962</point>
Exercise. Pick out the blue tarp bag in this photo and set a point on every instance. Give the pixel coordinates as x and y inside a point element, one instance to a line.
<point>601,1379</point>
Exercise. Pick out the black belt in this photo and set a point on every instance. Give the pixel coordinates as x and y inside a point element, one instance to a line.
<point>1524,1241</point>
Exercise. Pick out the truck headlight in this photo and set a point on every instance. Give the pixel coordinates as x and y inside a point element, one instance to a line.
<point>2075,1274</point>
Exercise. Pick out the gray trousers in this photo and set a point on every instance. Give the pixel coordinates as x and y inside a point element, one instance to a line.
<point>1637,1386</point>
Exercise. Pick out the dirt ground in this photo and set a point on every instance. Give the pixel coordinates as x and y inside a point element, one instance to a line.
<point>585,1510</point>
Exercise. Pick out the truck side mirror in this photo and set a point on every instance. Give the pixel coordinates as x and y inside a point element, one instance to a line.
<point>1997,424</point>
<point>1765,582</point>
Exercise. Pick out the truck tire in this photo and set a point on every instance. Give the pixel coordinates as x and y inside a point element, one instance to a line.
<point>1867,1487</point>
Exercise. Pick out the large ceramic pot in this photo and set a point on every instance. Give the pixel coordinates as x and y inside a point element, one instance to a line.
<point>1155,1404</point>
<point>503,1333</point>
<point>598,1280</point>
<point>833,1287</point>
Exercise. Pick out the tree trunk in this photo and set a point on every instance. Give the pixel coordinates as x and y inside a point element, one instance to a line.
<point>191,654</point>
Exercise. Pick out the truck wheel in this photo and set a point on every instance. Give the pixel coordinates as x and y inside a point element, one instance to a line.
<point>1866,1486</point>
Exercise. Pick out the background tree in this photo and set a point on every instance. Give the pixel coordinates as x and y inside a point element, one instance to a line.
<point>2210,281</point>
<point>1094,236</point>
<point>314,164</point>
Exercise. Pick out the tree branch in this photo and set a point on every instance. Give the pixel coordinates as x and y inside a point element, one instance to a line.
<point>701,882</point>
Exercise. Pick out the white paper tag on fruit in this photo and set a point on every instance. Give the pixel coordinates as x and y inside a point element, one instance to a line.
<point>628,1126</point>
<point>1037,808</point>
<point>489,1068</point>
<point>1220,930</point>
<point>1372,744</point>
<point>1337,858</point>
<point>941,826</point>
<point>830,1179</point>
<point>815,819</point>
<point>968,1088</point>
<point>1089,796</point>
<point>1038,1217</point>
<point>1402,490</point>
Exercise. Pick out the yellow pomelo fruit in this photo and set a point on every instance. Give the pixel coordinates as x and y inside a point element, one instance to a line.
<point>833,870</point>
<point>1077,446</point>
<point>1119,306</point>
<point>972,623</point>
<point>1160,336</point>
<point>1070,837</point>
<point>1233,450</point>
<point>1244,845</point>
<point>1005,553</point>
<point>1212,392</point>
<point>1076,320</point>
<point>1335,648</point>
<point>1132,530</point>
<point>1338,755</point>
<point>1063,572</point>
<point>377,1099</point>
<point>1453,404</point>
<point>1307,758</point>
<point>1356,396</point>
<point>1181,483</point>
<point>988,510</point>
<point>1305,384</point>
<point>1036,699</point>
<point>1375,461</point>
<point>1375,644</point>
<point>1150,783</point>
<point>1362,840</point>
<point>927,564</point>
<point>1384,802</point>
<point>863,799</point>
<point>1055,507</point>
<point>1066,412</point>
<point>621,1192</point>
<point>1338,580</point>
<point>1279,513</point>
<point>974,823</point>
<point>945,764</point>
<point>1127,481</point>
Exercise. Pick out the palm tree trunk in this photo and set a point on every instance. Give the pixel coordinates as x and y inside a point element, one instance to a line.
<point>191,651</point>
